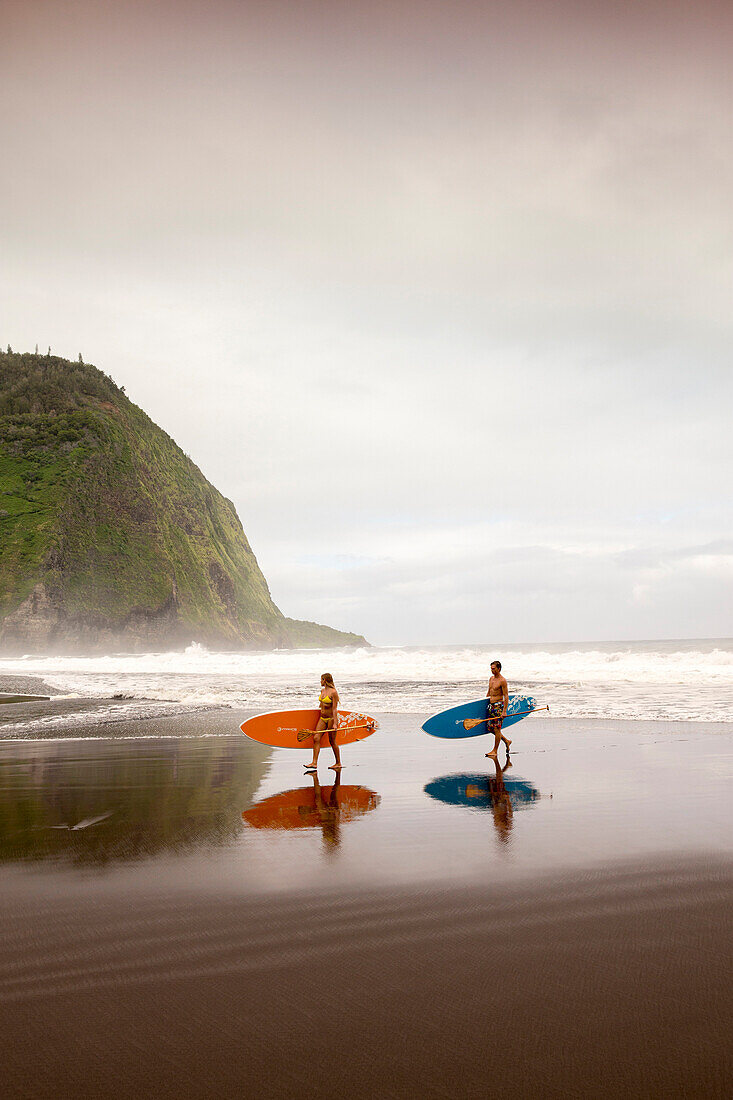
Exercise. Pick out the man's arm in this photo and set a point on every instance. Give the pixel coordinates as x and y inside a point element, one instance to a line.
<point>505,696</point>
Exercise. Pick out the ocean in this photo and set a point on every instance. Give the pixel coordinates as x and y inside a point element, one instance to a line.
<point>689,681</point>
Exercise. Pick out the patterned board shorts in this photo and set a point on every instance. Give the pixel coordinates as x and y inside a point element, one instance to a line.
<point>494,712</point>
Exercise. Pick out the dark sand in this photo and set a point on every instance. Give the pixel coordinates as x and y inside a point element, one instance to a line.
<point>615,983</point>
<point>10,686</point>
<point>153,944</point>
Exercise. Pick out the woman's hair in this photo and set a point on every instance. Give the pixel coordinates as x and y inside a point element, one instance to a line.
<point>328,678</point>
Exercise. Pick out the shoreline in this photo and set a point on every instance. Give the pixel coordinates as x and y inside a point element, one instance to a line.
<point>219,721</point>
<point>77,718</point>
<point>21,684</point>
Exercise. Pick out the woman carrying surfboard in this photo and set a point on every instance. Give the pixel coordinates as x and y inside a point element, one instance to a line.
<point>328,701</point>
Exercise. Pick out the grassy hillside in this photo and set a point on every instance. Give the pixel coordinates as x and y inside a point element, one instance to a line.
<point>305,635</point>
<point>109,532</point>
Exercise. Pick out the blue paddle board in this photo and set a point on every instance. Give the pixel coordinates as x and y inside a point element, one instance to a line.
<point>475,790</point>
<point>449,723</point>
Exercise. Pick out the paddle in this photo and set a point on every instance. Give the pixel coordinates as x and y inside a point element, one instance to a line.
<point>302,734</point>
<point>471,723</point>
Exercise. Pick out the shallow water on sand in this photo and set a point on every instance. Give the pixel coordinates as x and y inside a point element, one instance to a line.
<point>225,815</point>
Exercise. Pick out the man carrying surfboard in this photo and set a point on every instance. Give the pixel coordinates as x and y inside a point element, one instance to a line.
<point>498,696</point>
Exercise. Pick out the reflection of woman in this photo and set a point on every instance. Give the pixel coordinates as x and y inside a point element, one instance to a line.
<point>328,701</point>
<point>501,803</point>
<point>329,815</point>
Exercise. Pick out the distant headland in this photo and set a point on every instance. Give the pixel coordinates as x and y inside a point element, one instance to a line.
<point>110,536</point>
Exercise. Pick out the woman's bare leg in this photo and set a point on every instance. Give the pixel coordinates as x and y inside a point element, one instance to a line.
<point>316,744</point>
<point>337,765</point>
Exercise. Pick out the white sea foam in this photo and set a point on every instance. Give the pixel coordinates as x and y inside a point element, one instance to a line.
<point>686,680</point>
<point>639,663</point>
<point>102,716</point>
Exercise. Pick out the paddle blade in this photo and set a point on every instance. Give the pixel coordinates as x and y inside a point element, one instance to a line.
<point>471,723</point>
<point>302,734</point>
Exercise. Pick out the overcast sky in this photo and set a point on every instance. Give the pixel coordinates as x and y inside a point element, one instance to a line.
<point>439,294</point>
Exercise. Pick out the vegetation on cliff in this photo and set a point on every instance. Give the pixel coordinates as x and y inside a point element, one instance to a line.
<point>109,532</point>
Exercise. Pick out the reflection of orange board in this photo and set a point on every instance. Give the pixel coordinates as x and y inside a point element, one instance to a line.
<point>280,728</point>
<point>305,808</point>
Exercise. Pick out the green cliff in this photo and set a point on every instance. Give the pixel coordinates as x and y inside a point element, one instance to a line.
<point>110,536</point>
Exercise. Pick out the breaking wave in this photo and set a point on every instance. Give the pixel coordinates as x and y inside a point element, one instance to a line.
<point>690,681</point>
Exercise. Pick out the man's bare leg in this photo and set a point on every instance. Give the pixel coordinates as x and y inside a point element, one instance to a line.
<point>503,737</point>
<point>498,736</point>
<point>496,730</point>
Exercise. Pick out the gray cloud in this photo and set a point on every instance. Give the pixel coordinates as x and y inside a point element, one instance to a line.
<point>437,291</point>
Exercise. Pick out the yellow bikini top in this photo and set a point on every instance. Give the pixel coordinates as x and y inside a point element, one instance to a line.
<point>325,698</point>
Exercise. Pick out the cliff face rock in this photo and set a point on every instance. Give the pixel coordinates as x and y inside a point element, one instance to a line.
<point>110,537</point>
<point>42,625</point>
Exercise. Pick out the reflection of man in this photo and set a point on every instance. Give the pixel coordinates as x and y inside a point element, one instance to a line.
<point>498,696</point>
<point>501,803</point>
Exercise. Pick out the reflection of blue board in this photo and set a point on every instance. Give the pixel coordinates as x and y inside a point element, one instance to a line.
<point>449,723</point>
<point>475,790</point>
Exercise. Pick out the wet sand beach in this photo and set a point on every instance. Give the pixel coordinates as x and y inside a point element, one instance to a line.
<point>185,913</point>
<point>607,984</point>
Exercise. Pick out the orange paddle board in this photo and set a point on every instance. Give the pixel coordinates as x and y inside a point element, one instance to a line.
<point>305,808</point>
<point>280,728</point>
